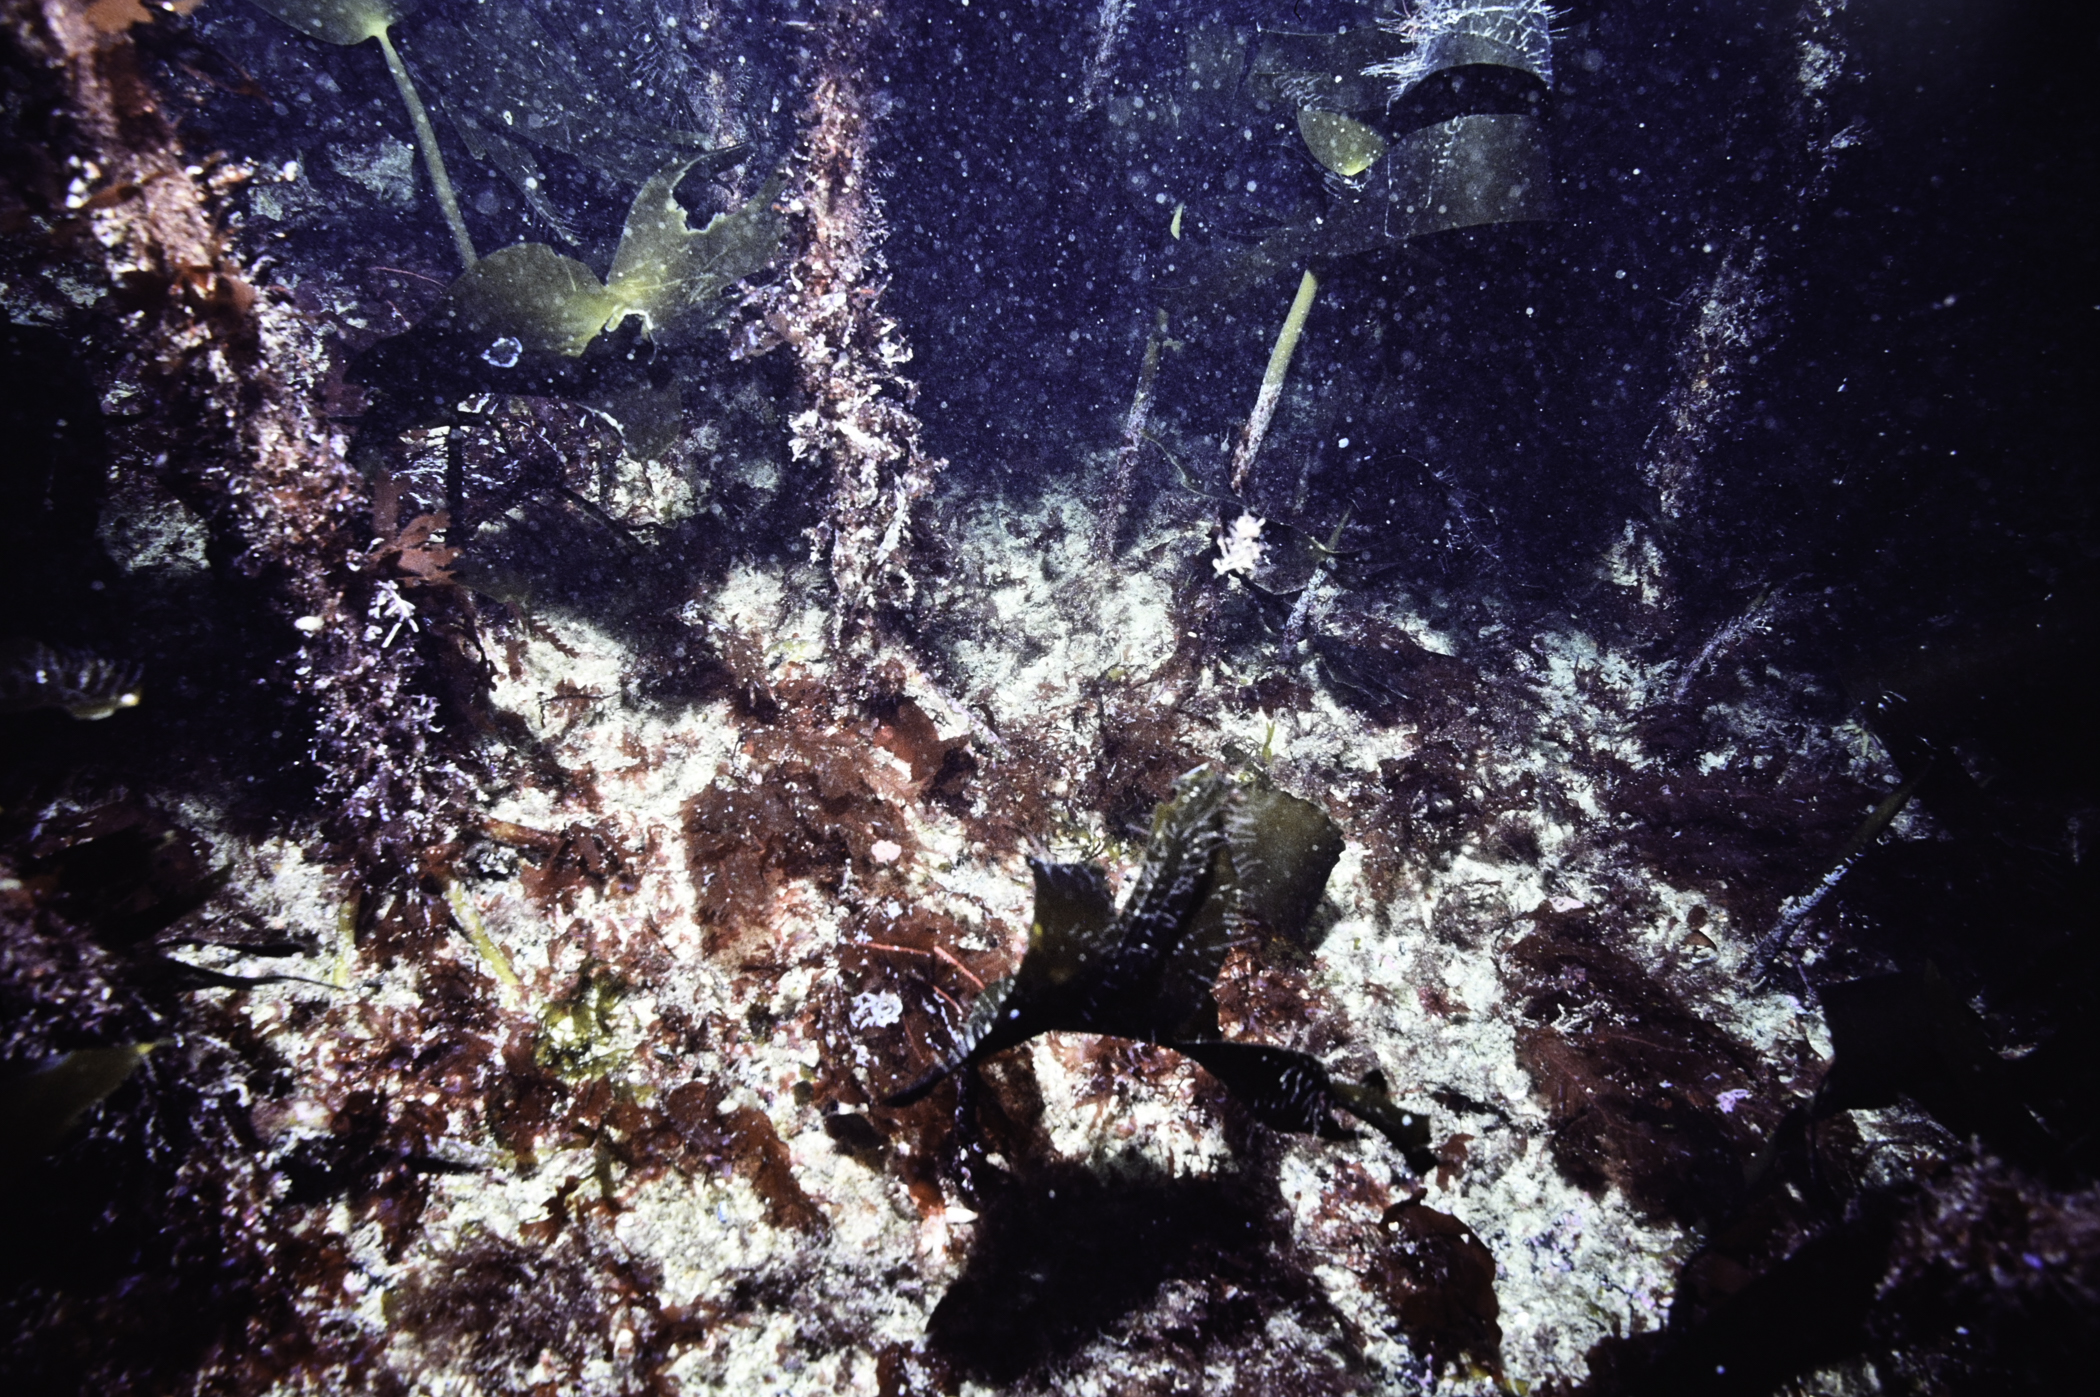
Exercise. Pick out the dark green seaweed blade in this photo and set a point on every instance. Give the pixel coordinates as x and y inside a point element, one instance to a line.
<point>1073,927</point>
<point>1185,831</point>
<point>1287,1090</point>
<point>1281,851</point>
<point>1072,935</point>
<point>1148,974</point>
<point>1183,1005</point>
<point>1283,1090</point>
<point>975,1042</point>
<point>1171,942</point>
<point>1071,944</point>
<point>1407,1130</point>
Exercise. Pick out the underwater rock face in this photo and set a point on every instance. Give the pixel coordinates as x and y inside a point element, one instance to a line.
<point>777,787</point>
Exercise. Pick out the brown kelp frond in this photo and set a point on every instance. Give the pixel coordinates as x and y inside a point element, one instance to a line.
<point>1231,861</point>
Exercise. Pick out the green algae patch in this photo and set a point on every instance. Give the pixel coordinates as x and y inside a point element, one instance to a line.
<point>577,1037</point>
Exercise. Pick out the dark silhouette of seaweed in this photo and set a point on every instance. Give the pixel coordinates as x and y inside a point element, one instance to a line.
<point>1231,860</point>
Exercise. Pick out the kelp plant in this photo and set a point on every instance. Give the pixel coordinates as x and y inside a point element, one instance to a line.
<point>1230,860</point>
<point>519,319</point>
<point>1486,164</point>
<point>522,318</point>
<point>511,77</point>
<point>348,22</point>
<point>1364,98</point>
<point>528,300</point>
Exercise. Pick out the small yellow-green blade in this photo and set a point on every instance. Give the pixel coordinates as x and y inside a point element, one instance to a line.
<point>1346,147</point>
<point>339,21</point>
<point>38,1110</point>
<point>547,303</point>
<point>664,267</point>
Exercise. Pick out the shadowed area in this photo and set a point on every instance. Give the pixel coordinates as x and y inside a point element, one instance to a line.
<point>1066,1255</point>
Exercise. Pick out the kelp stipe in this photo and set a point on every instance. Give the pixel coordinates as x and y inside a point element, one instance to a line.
<point>515,79</point>
<point>348,22</point>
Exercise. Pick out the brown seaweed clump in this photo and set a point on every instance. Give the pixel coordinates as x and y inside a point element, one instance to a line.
<point>814,813</point>
<point>1642,1093</point>
<point>1439,1280</point>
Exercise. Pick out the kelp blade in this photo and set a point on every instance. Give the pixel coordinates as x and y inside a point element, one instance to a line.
<point>1186,832</point>
<point>1284,1090</point>
<point>529,293</point>
<point>38,1110</point>
<point>1332,71</point>
<point>1070,938</point>
<point>339,21</point>
<point>987,1016</point>
<point>515,163</point>
<point>1346,147</point>
<point>1447,34</point>
<point>1470,170</point>
<point>1408,1131</point>
<point>1283,850</point>
<point>1175,930</point>
<point>664,268</point>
